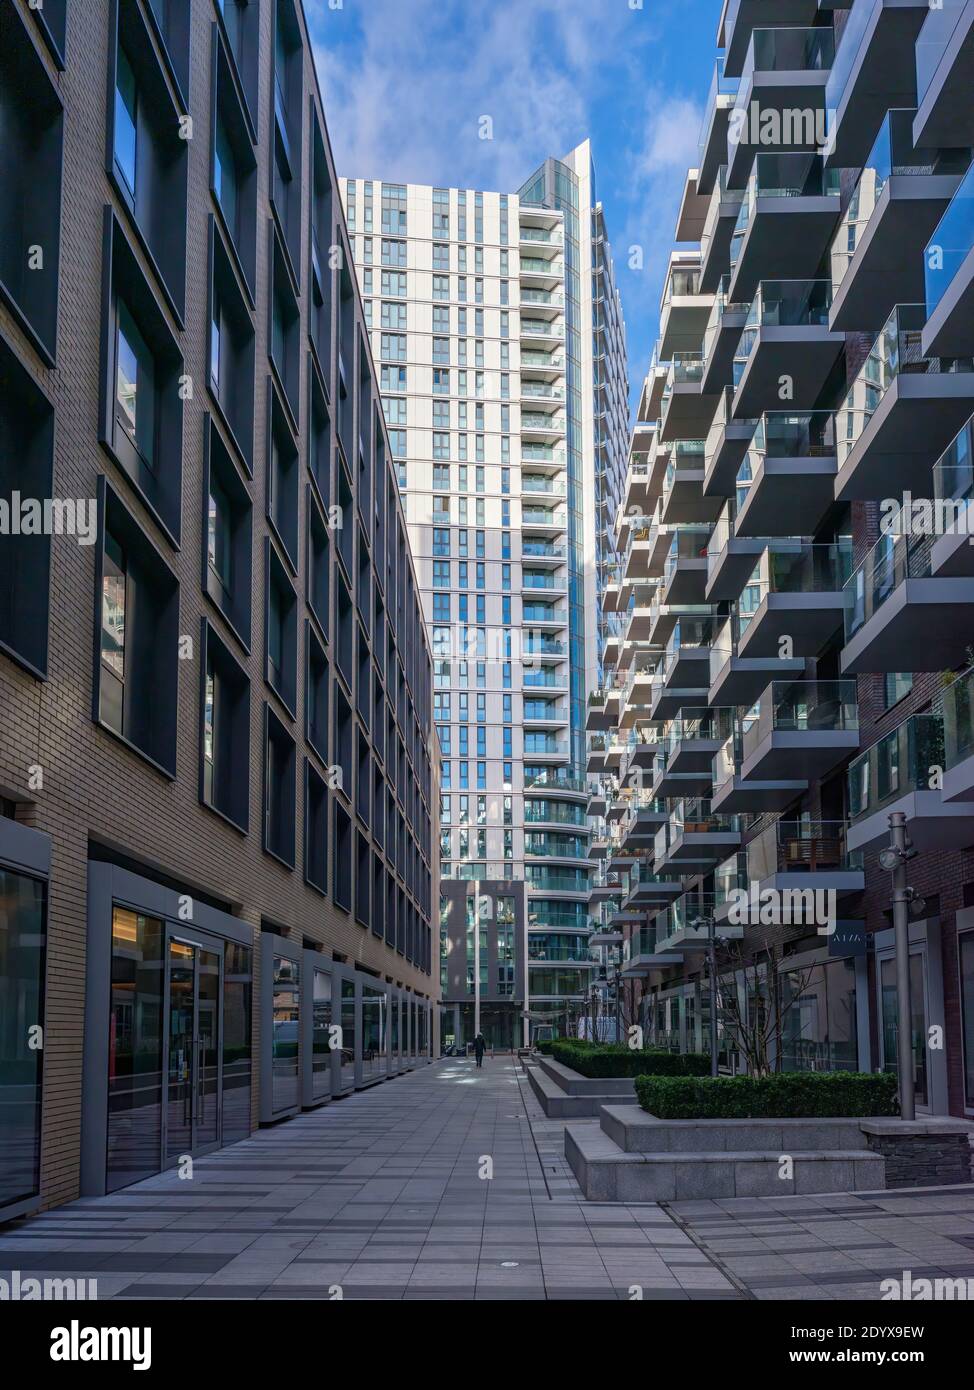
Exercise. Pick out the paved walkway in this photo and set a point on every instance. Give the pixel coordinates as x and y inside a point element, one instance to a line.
<point>381,1196</point>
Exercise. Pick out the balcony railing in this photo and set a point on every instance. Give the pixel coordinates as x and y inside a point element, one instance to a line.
<point>802,707</point>
<point>898,764</point>
<point>698,724</point>
<point>786,50</point>
<point>543,646</point>
<point>529,483</point>
<point>542,516</point>
<point>720,85</point>
<point>959,720</point>
<point>950,244</point>
<point>557,780</point>
<point>891,560</point>
<point>893,153</point>
<point>685,545</point>
<point>799,846</point>
<point>537,265</point>
<point>555,813</point>
<point>683,282</point>
<point>722,306</point>
<point>788,566</point>
<point>953,477</point>
<point>693,816</point>
<point>535,390</point>
<point>844,57</point>
<point>936,34</point>
<point>895,352</point>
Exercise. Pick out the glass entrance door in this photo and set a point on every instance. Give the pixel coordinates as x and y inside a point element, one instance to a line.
<point>889,1034</point>
<point>193,1067</point>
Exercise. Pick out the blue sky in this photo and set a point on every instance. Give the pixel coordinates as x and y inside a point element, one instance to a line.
<point>405,83</point>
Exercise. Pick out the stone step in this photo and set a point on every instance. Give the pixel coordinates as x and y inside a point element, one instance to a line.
<point>607,1173</point>
<point>558,1104</point>
<point>635,1131</point>
<point>573,1084</point>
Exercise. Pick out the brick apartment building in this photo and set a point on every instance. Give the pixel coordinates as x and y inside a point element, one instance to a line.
<point>217,824</point>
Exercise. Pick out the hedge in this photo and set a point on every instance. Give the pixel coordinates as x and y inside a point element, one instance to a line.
<point>785,1095</point>
<point>616,1060</point>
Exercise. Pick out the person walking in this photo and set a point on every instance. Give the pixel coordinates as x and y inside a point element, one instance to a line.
<point>479,1048</point>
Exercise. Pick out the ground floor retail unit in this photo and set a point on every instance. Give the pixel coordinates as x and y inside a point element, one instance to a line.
<point>197,1026</point>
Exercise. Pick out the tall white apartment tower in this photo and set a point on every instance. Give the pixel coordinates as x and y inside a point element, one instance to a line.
<point>499,333</point>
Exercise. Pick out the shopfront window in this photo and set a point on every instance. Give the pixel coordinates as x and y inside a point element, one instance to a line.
<point>238,982</point>
<point>321,1035</point>
<point>22,955</point>
<point>373,1031</point>
<point>967,1012</point>
<point>285,1037</point>
<point>819,1024</point>
<point>135,1048</point>
<point>348,1032</point>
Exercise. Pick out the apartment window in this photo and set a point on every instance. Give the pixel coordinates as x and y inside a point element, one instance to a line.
<point>27,466</point>
<point>896,686</point>
<point>234,164</point>
<point>393,347</point>
<point>441,287</point>
<point>441,382</point>
<point>285,325</point>
<point>228,529</point>
<point>319,563</point>
<point>280,617</point>
<point>148,164</point>
<point>441,446</point>
<point>224,732</point>
<point>394,208</point>
<point>441,214</point>
<point>288,125</point>
<point>241,19</point>
<point>393,252</point>
<point>441,608</point>
<point>322,238</point>
<point>441,349</point>
<point>441,574</point>
<point>394,410</point>
<point>282,477</point>
<point>394,285</point>
<point>279,789</point>
<point>138,625</point>
<point>461,289</point>
<point>232,349</point>
<point>441,257</point>
<point>315,836</point>
<point>392,378</point>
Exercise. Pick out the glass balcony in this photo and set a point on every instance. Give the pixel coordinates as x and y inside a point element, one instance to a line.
<point>686,545</point>
<point>800,846</point>
<point>694,816</point>
<point>783,304</point>
<point>538,550</point>
<point>539,877</point>
<point>844,58</point>
<point>541,234</point>
<point>542,516</point>
<point>550,361</point>
<point>554,845</point>
<point>722,306</point>
<point>796,567</point>
<point>937,32</point>
<point>541,328</point>
<point>953,473</point>
<point>539,645</point>
<point>720,85</point>
<point>893,154</point>
<point>683,282</point>
<point>531,483</point>
<point>556,780</point>
<point>802,707</point>
<point>537,265</point>
<point>896,351</point>
<point>535,390</point>
<point>797,175</point>
<point>689,633</point>
<point>950,244</point>
<point>898,764</point>
<point>543,613</point>
<point>704,724</point>
<point>544,581</point>
<point>891,561</point>
<point>543,680</point>
<point>730,877</point>
<point>686,368</point>
<point>786,50</point>
<point>555,813</point>
<point>959,720</point>
<point>547,948</point>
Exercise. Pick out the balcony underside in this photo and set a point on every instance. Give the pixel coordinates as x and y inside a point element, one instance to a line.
<point>688,413</point>
<point>692,939</point>
<point>715,256</point>
<point>693,755</point>
<point>760,14</point>
<point>920,414</point>
<point>739,794</point>
<point>690,666</point>
<point>703,846</point>
<point>949,330</point>
<point>809,619</point>
<point>685,502</point>
<point>673,785</point>
<point>946,114</point>
<point>687,582</point>
<point>844,883</point>
<point>925,624</point>
<point>683,323</point>
<point>643,965</point>
<point>882,78</point>
<point>718,369</point>
<point>933,823</point>
<point>671,699</point>
<point>804,354</point>
<point>722,465</point>
<point>781,93</point>
<point>741,680</point>
<point>888,266</point>
<point>806,754</point>
<point>788,496</point>
<point>785,237</point>
<point>732,569</point>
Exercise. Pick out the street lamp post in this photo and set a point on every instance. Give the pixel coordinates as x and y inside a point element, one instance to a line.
<point>712,971</point>
<point>894,860</point>
<point>476,958</point>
